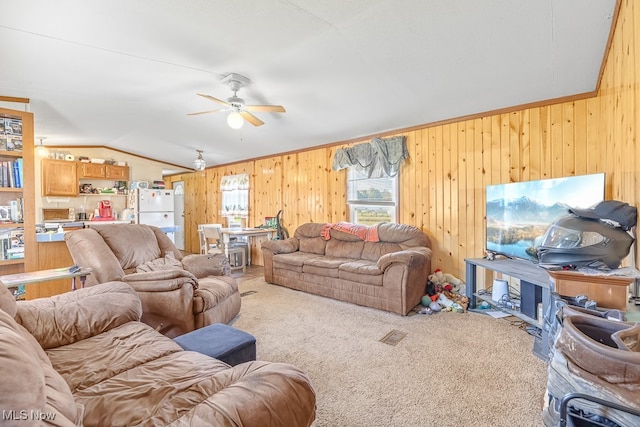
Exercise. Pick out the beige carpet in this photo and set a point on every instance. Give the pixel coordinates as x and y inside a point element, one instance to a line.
<point>450,369</point>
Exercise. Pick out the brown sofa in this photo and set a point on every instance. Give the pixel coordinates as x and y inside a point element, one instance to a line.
<point>178,294</point>
<point>389,274</point>
<point>84,358</point>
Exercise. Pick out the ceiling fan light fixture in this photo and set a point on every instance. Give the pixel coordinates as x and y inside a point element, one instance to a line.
<point>235,120</point>
<point>199,163</point>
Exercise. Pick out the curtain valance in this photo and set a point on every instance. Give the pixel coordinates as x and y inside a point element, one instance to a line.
<point>380,157</point>
<point>235,195</point>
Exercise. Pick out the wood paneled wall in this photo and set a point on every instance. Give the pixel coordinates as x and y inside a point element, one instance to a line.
<point>443,182</point>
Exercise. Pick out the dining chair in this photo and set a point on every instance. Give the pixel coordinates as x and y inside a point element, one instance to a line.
<point>205,245</point>
<point>215,244</point>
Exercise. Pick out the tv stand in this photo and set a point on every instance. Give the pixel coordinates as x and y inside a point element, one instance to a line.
<point>535,288</point>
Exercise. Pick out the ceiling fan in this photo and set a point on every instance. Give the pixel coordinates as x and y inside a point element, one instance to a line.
<point>240,111</point>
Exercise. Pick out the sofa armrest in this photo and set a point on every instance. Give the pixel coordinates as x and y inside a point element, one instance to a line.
<point>410,257</point>
<point>73,316</point>
<point>286,246</point>
<point>160,280</point>
<point>206,265</point>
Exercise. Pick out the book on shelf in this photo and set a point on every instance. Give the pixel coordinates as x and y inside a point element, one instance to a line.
<point>16,210</point>
<point>5,213</point>
<point>11,173</point>
<point>12,244</point>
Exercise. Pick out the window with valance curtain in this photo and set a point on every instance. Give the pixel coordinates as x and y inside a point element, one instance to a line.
<point>372,179</point>
<point>378,158</point>
<point>235,195</point>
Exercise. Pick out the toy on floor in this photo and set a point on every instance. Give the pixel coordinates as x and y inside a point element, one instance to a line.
<point>444,281</point>
<point>441,293</point>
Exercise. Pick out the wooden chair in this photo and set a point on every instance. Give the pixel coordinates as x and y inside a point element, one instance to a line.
<point>214,244</point>
<point>205,245</point>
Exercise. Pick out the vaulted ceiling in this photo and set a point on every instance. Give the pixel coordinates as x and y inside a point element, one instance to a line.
<point>125,74</point>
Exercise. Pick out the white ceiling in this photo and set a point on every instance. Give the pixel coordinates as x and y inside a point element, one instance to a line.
<point>124,74</point>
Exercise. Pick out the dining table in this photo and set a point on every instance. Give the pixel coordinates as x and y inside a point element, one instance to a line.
<point>240,232</point>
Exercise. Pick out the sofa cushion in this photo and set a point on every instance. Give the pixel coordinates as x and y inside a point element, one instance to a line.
<point>373,251</point>
<point>120,240</point>
<point>293,261</point>
<point>324,266</point>
<point>344,249</point>
<point>74,316</point>
<point>405,235</point>
<point>363,267</point>
<point>314,245</point>
<point>29,382</point>
<point>309,238</point>
<point>361,271</point>
<point>212,291</point>
<point>119,350</point>
<point>88,248</point>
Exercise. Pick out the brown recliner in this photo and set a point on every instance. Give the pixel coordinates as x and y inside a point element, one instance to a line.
<point>178,293</point>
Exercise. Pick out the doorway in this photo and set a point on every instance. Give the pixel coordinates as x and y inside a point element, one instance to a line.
<point>178,206</point>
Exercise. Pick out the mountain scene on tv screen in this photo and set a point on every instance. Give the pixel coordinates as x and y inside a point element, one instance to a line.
<point>515,226</point>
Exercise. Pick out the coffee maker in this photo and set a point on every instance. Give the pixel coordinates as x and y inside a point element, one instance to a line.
<point>104,210</point>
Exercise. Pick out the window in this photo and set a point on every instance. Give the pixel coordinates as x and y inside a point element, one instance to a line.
<point>235,195</point>
<point>371,200</point>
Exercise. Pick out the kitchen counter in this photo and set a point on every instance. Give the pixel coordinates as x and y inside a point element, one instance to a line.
<point>90,223</point>
<point>55,236</point>
<point>49,237</point>
<point>52,234</point>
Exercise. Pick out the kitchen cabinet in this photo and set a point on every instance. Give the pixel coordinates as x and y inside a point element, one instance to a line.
<point>59,178</point>
<point>91,170</point>
<point>62,178</point>
<point>17,189</point>
<point>102,171</point>
<point>117,173</point>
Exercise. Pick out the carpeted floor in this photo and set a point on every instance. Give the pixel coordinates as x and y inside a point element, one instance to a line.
<point>445,369</point>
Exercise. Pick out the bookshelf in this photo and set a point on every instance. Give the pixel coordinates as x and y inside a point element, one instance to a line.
<point>17,191</point>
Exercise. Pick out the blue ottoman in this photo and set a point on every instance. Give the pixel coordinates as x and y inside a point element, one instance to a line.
<point>222,342</point>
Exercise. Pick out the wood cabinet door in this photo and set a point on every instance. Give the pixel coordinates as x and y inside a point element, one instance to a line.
<point>51,255</point>
<point>91,170</point>
<point>59,178</point>
<point>119,173</point>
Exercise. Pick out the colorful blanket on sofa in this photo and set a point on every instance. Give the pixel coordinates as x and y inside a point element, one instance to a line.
<point>368,234</point>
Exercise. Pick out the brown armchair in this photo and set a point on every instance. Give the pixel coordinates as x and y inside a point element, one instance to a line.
<point>178,293</point>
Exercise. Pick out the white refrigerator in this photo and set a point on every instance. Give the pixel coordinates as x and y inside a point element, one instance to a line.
<point>153,207</point>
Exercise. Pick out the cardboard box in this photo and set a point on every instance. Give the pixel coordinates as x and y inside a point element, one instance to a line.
<point>606,291</point>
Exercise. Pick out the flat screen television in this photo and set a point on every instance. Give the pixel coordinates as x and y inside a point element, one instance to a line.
<point>519,213</point>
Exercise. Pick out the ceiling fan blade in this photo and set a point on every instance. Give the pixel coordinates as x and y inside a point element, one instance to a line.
<point>204,112</point>
<point>266,108</point>
<point>211,98</point>
<point>251,118</point>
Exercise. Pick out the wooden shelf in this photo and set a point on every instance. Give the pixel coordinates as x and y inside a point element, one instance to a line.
<point>26,193</point>
<point>11,225</point>
<point>11,261</point>
<point>102,194</point>
<point>16,154</point>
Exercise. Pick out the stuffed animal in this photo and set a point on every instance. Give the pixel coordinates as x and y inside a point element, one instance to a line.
<point>444,281</point>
